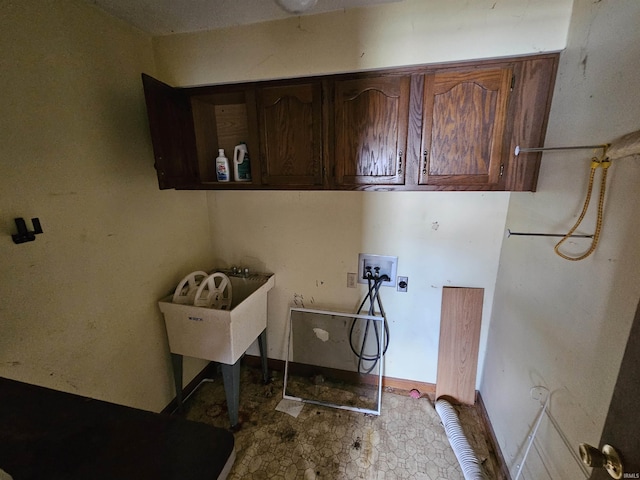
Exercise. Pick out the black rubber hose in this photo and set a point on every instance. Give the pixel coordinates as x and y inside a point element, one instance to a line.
<point>373,295</point>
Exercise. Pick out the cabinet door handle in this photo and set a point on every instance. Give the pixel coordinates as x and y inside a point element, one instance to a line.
<point>424,162</point>
<point>400,162</point>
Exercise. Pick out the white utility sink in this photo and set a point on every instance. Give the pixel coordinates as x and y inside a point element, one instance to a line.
<point>220,335</point>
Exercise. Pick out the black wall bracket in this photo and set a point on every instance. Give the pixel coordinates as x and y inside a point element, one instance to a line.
<point>25,235</point>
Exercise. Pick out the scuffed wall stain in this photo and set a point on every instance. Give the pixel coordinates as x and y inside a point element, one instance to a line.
<point>298,300</point>
<point>61,194</point>
<point>583,64</point>
<point>265,60</point>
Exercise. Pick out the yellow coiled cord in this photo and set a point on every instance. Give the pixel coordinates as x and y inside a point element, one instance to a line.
<point>604,163</point>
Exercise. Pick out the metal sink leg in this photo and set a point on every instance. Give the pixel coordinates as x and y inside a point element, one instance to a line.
<point>262,343</point>
<point>176,362</point>
<point>231,380</point>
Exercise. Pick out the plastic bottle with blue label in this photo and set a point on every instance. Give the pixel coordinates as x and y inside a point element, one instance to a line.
<point>241,163</point>
<point>222,167</point>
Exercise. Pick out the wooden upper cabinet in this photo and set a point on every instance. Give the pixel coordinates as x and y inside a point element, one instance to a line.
<point>290,123</point>
<point>464,120</point>
<point>370,130</point>
<point>432,127</point>
<point>172,134</point>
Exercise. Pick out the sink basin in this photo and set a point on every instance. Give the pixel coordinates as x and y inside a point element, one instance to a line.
<point>220,335</point>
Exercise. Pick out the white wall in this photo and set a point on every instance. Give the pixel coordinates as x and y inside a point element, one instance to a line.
<point>78,310</point>
<point>312,239</point>
<point>564,324</point>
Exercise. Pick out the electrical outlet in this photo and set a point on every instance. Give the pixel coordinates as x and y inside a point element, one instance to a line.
<point>379,265</point>
<point>352,280</point>
<point>403,284</point>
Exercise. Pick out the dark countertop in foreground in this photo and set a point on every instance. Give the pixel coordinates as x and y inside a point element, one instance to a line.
<point>55,435</point>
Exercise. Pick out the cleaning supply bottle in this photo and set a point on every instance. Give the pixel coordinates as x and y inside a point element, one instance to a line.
<point>241,163</point>
<point>222,166</point>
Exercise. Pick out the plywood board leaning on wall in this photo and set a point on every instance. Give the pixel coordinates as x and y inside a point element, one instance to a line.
<point>460,323</point>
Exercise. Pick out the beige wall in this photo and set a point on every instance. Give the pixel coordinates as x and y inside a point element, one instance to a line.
<point>403,33</point>
<point>78,310</point>
<point>311,240</point>
<point>564,324</point>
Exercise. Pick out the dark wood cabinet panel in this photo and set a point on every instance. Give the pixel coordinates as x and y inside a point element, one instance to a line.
<point>465,114</point>
<point>371,117</point>
<point>290,122</point>
<point>528,115</point>
<point>172,134</point>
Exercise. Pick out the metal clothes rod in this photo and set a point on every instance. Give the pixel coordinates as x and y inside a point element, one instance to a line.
<point>519,150</point>
<point>545,234</point>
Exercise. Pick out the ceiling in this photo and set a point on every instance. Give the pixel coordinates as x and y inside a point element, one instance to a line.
<point>164,17</point>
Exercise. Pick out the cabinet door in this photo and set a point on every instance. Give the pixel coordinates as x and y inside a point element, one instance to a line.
<point>172,134</point>
<point>528,114</point>
<point>290,122</point>
<point>370,124</point>
<point>463,127</point>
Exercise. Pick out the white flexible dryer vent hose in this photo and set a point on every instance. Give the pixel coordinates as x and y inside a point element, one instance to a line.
<point>471,468</point>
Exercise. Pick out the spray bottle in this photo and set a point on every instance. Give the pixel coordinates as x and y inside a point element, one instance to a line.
<point>241,163</point>
<point>222,166</point>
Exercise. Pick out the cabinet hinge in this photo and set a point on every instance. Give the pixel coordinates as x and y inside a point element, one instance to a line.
<point>513,82</point>
<point>501,169</point>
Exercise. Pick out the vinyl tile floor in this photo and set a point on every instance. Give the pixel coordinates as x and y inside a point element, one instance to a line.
<point>406,441</point>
